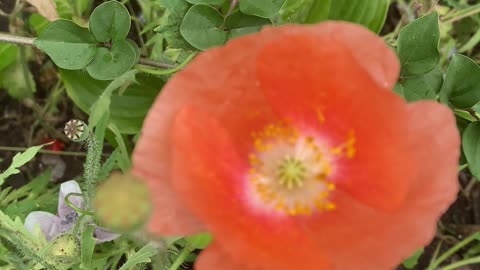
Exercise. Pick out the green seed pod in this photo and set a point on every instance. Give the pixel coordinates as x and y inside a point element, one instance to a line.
<point>76,130</point>
<point>63,251</point>
<point>122,203</point>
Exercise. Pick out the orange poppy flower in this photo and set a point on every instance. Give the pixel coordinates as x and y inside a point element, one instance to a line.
<point>291,149</point>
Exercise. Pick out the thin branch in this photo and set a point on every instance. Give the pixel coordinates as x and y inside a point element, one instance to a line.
<point>148,62</point>
<point>233,5</point>
<point>18,40</point>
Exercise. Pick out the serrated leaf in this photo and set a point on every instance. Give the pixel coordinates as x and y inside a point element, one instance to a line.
<point>141,256</point>
<point>418,46</point>
<point>261,8</point>
<point>239,24</point>
<point>110,21</point>
<point>201,27</point>
<point>19,160</point>
<point>462,82</point>
<point>68,45</point>
<point>471,147</point>
<point>109,64</point>
<point>423,87</point>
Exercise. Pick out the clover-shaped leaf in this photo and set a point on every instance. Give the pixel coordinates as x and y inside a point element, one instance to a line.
<point>201,27</point>
<point>68,45</point>
<point>109,64</point>
<point>110,21</point>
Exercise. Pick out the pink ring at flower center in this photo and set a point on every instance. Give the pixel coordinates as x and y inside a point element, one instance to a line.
<point>290,173</point>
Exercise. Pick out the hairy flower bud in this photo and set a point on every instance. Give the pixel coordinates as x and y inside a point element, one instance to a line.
<point>122,203</point>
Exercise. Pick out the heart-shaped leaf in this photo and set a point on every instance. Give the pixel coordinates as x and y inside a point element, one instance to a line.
<point>109,64</point>
<point>261,8</point>
<point>418,46</point>
<point>69,45</point>
<point>201,27</point>
<point>110,21</point>
<point>462,82</point>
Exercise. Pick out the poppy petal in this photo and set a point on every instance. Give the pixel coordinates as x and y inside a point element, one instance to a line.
<point>204,152</point>
<point>224,95</point>
<point>66,189</point>
<point>336,90</point>
<point>214,258</point>
<point>49,224</point>
<point>368,232</point>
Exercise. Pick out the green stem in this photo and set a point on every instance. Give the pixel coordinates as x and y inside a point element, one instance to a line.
<point>461,14</point>
<point>168,71</point>
<point>181,258</point>
<point>74,207</point>
<point>92,168</point>
<point>434,265</point>
<point>462,263</point>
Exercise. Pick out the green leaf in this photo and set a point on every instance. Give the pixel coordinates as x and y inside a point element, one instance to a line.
<point>127,110</point>
<point>471,147</point>
<point>110,21</point>
<point>18,80</point>
<point>239,24</point>
<point>69,45</point>
<point>135,47</point>
<point>88,246</point>
<point>370,13</point>
<point>109,64</point>
<point>199,241</point>
<point>38,23</point>
<point>261,8</point>
<point>207,2</point>
<point>423,87</point>
<point>418,46</point>
<point>319,10</point>
<point>19,160</point>
<point>462,82</point>
<point>201,27</point>
<point>8,54</point>
<point>141,256</point>
<point>102,105</point>
<point>411,262</point>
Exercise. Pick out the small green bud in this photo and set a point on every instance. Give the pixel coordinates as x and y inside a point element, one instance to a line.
<point>76,130</point>
<point>122,203</point>
<point>63,251</point>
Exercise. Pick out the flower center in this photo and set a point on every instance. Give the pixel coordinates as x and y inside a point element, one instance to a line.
<point>290,173</point>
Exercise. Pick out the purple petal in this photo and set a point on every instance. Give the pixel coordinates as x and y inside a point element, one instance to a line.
<point>65,189</point>
<point>49,224</point>
<point>104,236</point>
